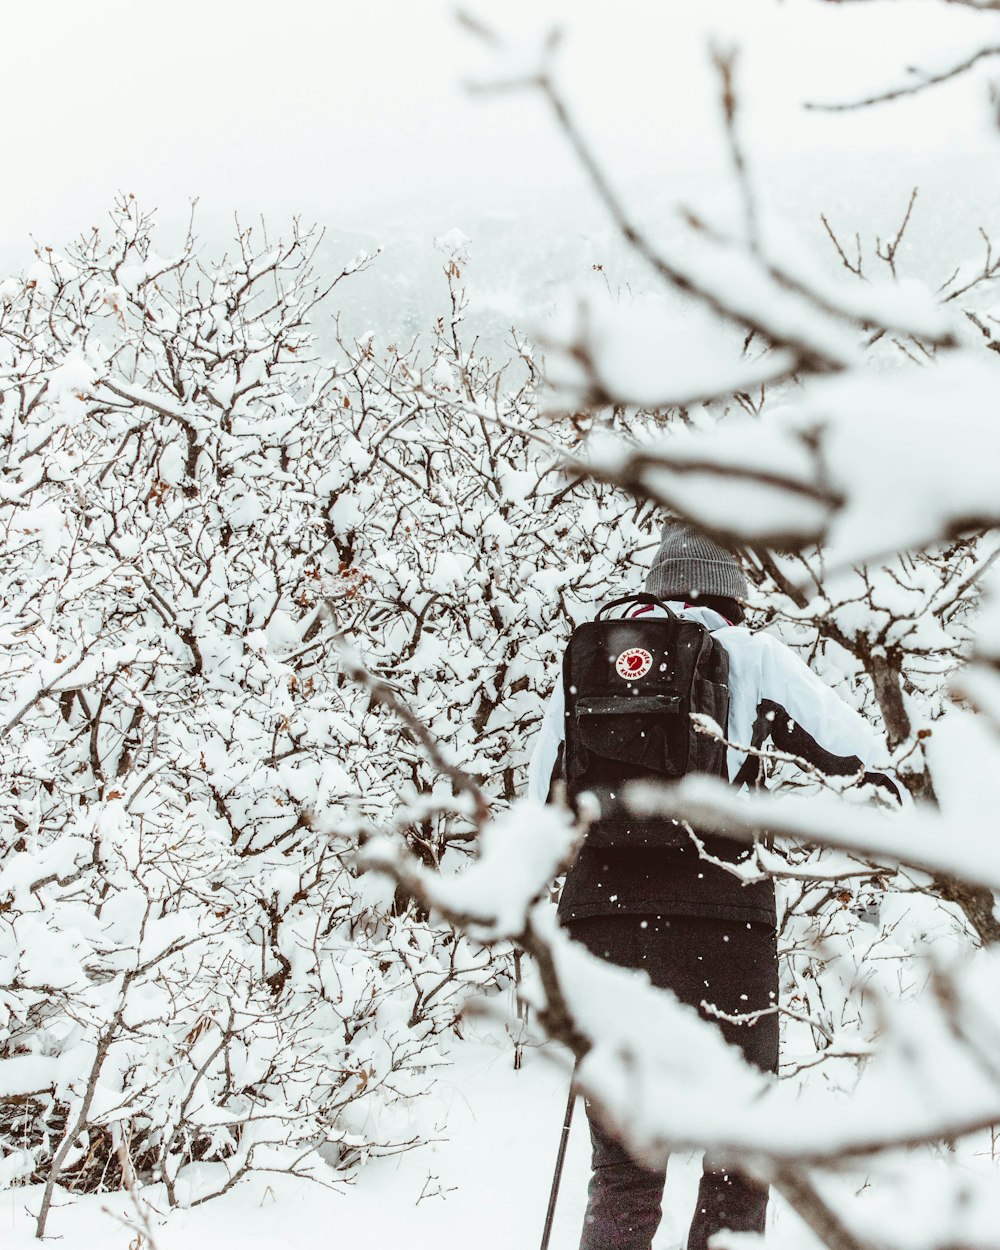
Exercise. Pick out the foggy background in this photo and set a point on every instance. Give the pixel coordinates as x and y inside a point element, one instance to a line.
<point>357,117</point>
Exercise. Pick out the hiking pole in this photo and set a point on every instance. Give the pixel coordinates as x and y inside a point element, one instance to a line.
<point>560,1160</point>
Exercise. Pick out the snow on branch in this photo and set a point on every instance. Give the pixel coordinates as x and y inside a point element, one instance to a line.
<point>520,854</point>
<point>668,1082</point>
<point>918,837</point>
<point>663,1078</point>
<point>817,472</point>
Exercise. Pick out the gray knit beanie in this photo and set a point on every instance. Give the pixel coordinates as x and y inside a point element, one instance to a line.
<point>688,565</point>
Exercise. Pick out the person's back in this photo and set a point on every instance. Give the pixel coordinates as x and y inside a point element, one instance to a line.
<point>693,926</point>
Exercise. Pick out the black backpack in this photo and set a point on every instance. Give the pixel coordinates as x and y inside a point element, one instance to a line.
<point>631,686</point>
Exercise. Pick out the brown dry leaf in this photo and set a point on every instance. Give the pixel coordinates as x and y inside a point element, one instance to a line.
<point>199,1027</point>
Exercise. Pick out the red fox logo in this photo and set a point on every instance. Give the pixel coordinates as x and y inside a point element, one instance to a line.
<point>635,662</point>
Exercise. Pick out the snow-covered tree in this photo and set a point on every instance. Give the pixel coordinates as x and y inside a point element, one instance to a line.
<point>212,532</point>
<point>197,511</point>
<point>260,608</point>
<point>841,432</point>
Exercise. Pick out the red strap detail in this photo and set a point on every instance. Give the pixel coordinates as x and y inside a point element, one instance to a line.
<point>649,607</point>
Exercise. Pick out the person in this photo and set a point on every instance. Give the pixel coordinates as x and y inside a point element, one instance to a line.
<point>693,927</point>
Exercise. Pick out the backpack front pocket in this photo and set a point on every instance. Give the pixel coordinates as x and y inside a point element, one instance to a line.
<point>647,733</point>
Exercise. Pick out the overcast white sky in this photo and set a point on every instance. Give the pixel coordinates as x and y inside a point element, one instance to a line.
<point>353,111</point>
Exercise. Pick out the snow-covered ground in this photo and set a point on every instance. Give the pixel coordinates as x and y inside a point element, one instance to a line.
<point>484,1182</point>
<point>486,1176</point>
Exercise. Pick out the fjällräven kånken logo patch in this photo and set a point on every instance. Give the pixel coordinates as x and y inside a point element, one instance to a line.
<point>633,663</point>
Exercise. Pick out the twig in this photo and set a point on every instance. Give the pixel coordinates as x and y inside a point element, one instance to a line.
<point>925,81</point>
<point>381,692</point>
<point>725,63</point>
<point>889,255</point>
<point>856,267</point>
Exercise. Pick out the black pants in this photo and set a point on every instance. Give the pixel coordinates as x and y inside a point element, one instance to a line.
<point>734,967</point>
